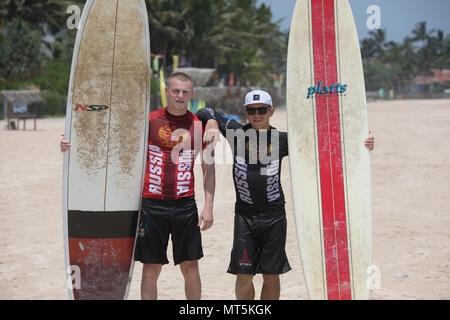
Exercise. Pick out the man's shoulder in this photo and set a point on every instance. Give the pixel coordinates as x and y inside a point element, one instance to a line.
<point>282,137</point>
<point>157,113</point>
<point>190,117</point>
<point>281,133</point>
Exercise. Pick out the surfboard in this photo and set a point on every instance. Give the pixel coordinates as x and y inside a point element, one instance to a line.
<point>329,164</point>
<point>107,125</point>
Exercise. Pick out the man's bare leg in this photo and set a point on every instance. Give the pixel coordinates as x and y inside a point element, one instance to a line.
<point>149,288</point>
<point>244,287</point>
<point>192,282</point>
<point>271,287</point>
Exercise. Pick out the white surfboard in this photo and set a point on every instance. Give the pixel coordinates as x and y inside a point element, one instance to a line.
<point>330,166</point>
<point>107,124</point>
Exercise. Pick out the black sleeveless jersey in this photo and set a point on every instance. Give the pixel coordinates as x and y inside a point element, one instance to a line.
<point>257,163</point>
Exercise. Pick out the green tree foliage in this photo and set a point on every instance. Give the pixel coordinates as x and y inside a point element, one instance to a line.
<point>35,12</point>
<point>254,47</point>
<point>392,65</point>
<point>236,36</point>
<point>232,35</point>
<point>19,50</point>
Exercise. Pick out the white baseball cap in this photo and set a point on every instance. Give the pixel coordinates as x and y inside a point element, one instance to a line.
<point>258,96</point>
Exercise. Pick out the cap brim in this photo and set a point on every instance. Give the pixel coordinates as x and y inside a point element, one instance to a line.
<point>257,102</point>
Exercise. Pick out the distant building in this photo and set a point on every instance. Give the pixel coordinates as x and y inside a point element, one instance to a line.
<point>435,80</point>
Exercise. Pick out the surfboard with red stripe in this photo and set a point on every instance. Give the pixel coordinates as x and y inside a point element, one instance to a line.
<point>330,166</point>
<point>107,125</point>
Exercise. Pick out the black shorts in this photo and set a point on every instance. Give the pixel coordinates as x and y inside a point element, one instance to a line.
<point>259,244</point>
<point>158,219</point>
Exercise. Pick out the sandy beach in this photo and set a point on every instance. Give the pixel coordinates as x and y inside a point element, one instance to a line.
<point>411,212</point>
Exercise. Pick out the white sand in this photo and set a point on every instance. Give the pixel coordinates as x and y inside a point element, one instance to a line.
<point>411,205</point>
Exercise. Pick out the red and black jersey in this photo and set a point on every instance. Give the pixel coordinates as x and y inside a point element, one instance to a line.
<point>173,144</point>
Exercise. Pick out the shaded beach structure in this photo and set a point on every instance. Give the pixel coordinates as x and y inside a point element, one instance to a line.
<point>20,105</point>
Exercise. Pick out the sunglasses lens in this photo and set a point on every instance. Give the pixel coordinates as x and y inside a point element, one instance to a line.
<point>261,111</point>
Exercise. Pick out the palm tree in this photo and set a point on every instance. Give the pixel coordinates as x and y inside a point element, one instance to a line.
<point>439,45</point>
<point>233,35</point>
<point>251,39</point>
<point>166,24</point>
<point>368,49</point>
<point>205,20</point>
<point>19,50</point>
<point>421,33</point>
<point>445,59</point>
<point>219,33</point>
<point>424,54</point>
<point>378,41</point>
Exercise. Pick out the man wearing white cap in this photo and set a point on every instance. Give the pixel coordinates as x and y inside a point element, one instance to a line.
<point>260,217</point>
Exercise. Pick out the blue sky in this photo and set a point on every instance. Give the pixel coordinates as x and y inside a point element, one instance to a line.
<point>398,17</point>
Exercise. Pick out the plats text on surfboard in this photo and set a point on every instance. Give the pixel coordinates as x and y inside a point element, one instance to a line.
<point>320,89</point>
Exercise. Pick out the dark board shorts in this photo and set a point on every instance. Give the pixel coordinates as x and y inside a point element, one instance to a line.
<point>161,218</point>
<point>259,244</point>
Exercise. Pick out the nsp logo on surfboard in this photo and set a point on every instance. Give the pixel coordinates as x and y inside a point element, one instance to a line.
<point>325,91</point>
<point>85,107</point>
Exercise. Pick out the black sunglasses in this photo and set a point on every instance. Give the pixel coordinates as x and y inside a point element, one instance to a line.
<point>261,110</point>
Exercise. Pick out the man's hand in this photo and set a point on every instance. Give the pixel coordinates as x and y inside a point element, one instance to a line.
<point>206,219</point>
<point>370,142</point>
<point>212,133</point>
<point>64,144</point>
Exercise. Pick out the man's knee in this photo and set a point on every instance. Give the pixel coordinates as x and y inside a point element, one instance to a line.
<point>244,280</point>
<point>189,269</point>
<point>271,278</point>
<point>151,271</point>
